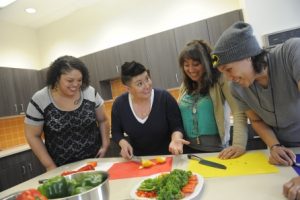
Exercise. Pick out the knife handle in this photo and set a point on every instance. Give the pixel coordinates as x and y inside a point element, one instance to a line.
<point>191,156</point>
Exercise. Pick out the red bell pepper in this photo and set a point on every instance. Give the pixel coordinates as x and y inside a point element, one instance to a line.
<point>31,194</point>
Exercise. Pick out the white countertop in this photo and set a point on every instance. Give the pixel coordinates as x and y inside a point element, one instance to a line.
<point>258,187</point>
<point>14,150</point>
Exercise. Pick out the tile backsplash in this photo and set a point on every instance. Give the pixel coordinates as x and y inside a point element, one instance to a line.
<point>12,132</point>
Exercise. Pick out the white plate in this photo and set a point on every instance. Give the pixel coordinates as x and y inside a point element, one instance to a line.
<point>189,197</point>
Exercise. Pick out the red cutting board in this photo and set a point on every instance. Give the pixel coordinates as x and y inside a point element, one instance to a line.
<point>130,169</point>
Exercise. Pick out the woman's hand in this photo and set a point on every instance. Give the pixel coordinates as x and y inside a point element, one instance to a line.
<point>176,144</point>
<point>102,151</point>
<point>231,152</point>
<point>126,149</point>
<point>291,189</point>
<point>280,155</point>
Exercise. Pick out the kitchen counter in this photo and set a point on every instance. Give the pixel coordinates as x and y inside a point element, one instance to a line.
<point>13,150</point>
<point>258,187</point>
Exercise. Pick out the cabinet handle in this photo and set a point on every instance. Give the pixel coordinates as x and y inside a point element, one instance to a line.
<point>176,78</point>
<point>30,166</point>
<point>16,108</point>
<point>23,170</point>
<point>117,67</point>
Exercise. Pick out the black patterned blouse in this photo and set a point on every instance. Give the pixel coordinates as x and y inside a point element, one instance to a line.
<point>69,135</point>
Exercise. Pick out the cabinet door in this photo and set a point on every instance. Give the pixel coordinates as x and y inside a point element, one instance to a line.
<point>26,84</point>
<point>135,50</point>
<point>34,166</point>
<point>108,63</point>
<point>8,97</point>
<point>216,25</point>
<point>91,64</point>
<point>187,33</point>
<point>162,56</point>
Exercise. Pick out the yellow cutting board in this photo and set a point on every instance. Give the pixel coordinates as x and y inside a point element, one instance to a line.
<point>249,163</point>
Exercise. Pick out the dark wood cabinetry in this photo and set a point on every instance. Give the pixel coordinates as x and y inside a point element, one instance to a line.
<point>216,25</point>
<point>135,50</point>
<point>18,168</point>
<point>108,63</point>
<point>187,33</point>
<point>16,89</point>
<point>163,55</point>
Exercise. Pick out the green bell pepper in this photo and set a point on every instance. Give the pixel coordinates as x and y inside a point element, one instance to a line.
<point>56,187</point>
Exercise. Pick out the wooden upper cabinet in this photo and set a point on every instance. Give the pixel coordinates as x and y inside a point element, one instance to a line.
<point>162,56</point>
<point>8,93</point>
<point>187,33</point>
<point>216,25</point>
<point>135,50</point>
<point>108,63</point>
<point>26,84</point>
<point>94,70</point>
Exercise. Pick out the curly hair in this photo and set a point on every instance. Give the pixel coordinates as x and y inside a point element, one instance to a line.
<point>198,50</point>
<point>63,65</point>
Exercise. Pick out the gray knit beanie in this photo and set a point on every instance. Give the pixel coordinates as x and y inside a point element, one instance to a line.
<point>236,43</point>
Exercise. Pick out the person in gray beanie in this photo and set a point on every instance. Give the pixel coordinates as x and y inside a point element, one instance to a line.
<point>266,85</point>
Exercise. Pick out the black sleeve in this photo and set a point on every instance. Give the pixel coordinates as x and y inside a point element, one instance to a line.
<point>173,114</point>
<point>116,126</point>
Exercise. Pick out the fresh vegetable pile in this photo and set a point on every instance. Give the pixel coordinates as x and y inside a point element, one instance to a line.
<point>174,185</point>
<point>59,186</point>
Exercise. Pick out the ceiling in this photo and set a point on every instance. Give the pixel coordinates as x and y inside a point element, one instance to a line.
<point>47,11</point>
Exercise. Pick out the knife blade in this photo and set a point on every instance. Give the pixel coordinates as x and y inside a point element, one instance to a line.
<point>206,162</point>
<point>136,159</point>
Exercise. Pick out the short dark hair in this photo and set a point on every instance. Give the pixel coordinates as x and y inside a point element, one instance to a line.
<point>130,70</point>
<point>198,50</point>
<point>63,65</point>
<point>260,61</point>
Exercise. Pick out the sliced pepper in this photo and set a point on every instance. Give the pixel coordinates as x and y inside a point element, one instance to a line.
<point>55,187</point>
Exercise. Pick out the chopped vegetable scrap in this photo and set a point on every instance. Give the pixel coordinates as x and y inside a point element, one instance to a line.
<point>174,185</point>
<point>146,163</point>
<point>88,167</point>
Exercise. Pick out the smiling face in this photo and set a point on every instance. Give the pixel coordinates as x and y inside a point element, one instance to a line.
<point>193,69</point>
<point>70,82</point>
<point>240,72</point>
<point>140,86</point>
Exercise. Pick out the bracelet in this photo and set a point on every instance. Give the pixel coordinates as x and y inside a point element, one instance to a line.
<point>275,145</point>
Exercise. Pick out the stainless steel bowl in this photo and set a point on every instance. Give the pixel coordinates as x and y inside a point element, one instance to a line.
<point>100,192</point>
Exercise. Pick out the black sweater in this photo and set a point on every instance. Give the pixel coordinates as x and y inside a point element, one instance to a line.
<point>154,136</point>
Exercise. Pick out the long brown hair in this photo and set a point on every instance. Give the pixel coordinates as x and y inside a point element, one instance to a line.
<point>198,50</point>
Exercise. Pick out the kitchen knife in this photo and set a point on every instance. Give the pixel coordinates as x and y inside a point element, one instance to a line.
<point>136,159</point>
<point>206,162</point>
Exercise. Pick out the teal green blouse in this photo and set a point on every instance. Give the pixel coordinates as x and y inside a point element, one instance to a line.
<point>198,115</point>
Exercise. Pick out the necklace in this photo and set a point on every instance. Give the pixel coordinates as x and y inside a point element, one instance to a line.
<point>77,101</point>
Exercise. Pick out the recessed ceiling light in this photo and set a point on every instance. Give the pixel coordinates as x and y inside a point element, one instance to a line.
<point>4,3</point>
<point>30,10</point>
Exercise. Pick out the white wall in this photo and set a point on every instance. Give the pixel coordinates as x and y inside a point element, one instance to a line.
<point>18,47</point>
<point>267,16</point>
<point>88,30</point>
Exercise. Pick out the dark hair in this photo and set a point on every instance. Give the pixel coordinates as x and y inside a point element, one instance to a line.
<point>260,61</point>
<point>63,65</point>
<point>198,50</point>
<point>130,70</point>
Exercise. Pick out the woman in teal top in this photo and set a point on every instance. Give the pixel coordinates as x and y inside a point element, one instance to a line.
<point>205,103</point>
